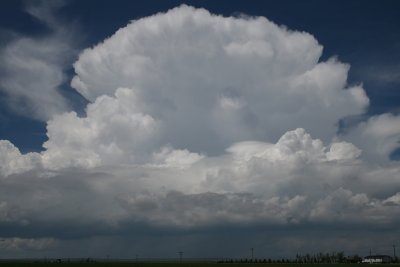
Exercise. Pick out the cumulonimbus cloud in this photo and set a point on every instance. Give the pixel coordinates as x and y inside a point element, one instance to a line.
<point>212,81</point>
<point>198,120</point>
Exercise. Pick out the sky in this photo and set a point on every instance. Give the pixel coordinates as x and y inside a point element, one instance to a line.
<point>134,129</point>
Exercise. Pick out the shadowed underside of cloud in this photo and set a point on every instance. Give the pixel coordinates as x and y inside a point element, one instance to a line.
<point>200,123</point>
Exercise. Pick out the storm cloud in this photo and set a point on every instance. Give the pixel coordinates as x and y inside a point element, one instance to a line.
<point>33,67</point>
<point>198,126</point>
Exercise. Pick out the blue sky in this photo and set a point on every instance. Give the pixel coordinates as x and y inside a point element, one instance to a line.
<point>197,123</point>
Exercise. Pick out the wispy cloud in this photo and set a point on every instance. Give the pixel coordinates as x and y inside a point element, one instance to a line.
<point>33,68</point>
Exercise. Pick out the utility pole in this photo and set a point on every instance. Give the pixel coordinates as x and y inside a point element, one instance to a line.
<point>252,253</point>
<point>394,252</point>
<point>180,255</point>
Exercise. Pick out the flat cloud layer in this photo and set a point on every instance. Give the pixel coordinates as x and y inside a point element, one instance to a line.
<point>201,125</point>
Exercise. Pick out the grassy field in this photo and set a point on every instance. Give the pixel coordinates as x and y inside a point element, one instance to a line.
<point>178,264</point>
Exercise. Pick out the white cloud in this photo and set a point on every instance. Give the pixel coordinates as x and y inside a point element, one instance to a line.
<point>289,184</point>
<point>178,94</point>
<point>12,161</point>
<point>33,68</point>
<point>213,81</point>
<point>393,200</point>
<point>340,205</point>
<point>379,136</point>
<point>175,158</point>
<point>198,121</point>
<point>113,132</point>
<point>296,180</point>
<point>343,151</point>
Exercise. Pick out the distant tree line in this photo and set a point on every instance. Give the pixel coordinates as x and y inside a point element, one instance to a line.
<point>245,260</point>
<point>334,257</point>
